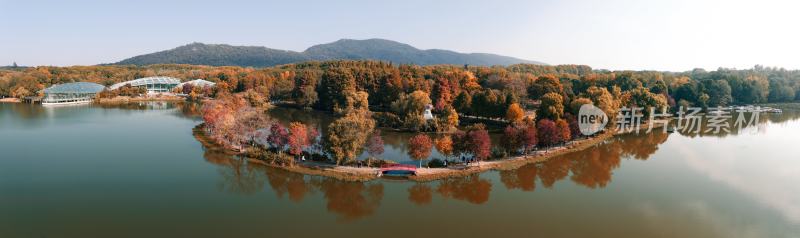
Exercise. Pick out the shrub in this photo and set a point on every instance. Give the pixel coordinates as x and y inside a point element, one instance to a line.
<point>387,119</point>
<point>436,163</point>
<point>498,153</point>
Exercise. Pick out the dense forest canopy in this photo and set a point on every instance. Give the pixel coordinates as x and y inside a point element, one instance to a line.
<point>398,90</point>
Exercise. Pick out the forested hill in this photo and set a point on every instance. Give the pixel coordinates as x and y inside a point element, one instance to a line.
<point>373,49</point>
<point>219,55</point>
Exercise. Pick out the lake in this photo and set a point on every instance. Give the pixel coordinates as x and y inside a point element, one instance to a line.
<point>137,171</point>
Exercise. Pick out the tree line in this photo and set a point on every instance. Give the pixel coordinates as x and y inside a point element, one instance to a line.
<point>398,94</point>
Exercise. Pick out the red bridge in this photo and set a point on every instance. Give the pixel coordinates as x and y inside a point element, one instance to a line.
<point>398,169</point>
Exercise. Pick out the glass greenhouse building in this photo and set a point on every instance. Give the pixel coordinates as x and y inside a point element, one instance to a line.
<point>71,93</point>
<point>157,84</point>
<point>198,83</point>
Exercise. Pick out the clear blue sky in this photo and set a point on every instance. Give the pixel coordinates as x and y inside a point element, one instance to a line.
<point>672,35</point>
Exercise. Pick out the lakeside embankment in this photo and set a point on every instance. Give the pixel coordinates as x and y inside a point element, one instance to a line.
<point>10,100</point>
<point>126,99</point>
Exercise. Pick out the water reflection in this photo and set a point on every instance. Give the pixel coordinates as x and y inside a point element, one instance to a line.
<point>22,110</point>
<point>420,194</point>
<point>471,189</point>
<point>239,178</point>
<point>26,115</point>
<point>350,200</point>
<point>732,128</point>
<point>592,168</point>
<point>287,183</point>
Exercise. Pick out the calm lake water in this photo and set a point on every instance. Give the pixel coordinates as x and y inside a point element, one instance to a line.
<point>137,171</point>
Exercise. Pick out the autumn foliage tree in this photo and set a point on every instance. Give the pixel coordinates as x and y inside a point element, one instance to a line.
<point>375,145</point>
<point>552,107</point>
<point>548,133</point>
<point>278,137</point>
<point>232,123</point>
<point>515,112</point>
<point>511,140</point>
<point>543,85</point>
<point>447,120</point>
<point>335,84</point>
<point>298,138</point>
<point>445,146</point>
<point>565,134</point>
<point>347,135</point>
<point>604,100</point>
<point>529,137</point>
<point>419,147</point>
<point>576,104</point>
<point>478,141</point>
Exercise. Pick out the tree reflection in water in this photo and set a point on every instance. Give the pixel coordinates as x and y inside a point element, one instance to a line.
<point>591,168</point>
<point>237,176</point>
<point>284,182</point>
<point>420,194</point>
<point>351,200</point>
<point>241,178</point>
<point>471,188</point>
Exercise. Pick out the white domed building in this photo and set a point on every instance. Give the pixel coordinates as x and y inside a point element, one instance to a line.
<point>157,84</point>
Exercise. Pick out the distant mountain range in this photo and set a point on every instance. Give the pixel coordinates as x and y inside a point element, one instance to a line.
<point>371,49</point>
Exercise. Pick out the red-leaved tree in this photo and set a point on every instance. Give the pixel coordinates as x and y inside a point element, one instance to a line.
<point>511,140</point>
<point>375,145</point>
<point>479,142</point>
<point>298,138</point>
<point>278,136</point>
<point>313,139</point>
<point>548,133</point>
<point>564,132</point>
<point>528,137</point>
<point>574,127</point>
<point>419,147</point>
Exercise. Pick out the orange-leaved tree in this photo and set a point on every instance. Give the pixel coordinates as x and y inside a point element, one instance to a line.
<point>419,147</point>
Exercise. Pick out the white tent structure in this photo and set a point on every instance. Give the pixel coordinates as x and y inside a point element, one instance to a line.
<point>198,83</point>
<point>427,113</point>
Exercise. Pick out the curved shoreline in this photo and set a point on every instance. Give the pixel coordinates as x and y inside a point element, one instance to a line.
<point>430,174</point>
<point>349,173</point>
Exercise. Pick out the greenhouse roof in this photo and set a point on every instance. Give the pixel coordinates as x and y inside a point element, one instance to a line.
<point>198,83</point>
<point>79,87</point>
<point>147,81</point>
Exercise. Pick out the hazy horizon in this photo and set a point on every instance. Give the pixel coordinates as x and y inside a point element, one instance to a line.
<point>616,35</point>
